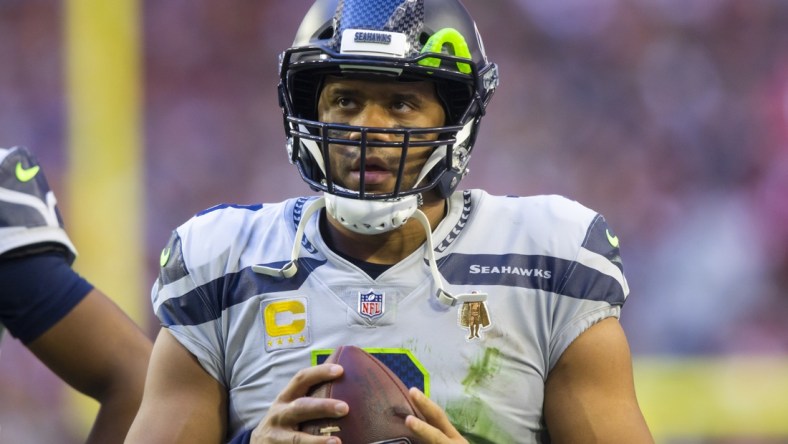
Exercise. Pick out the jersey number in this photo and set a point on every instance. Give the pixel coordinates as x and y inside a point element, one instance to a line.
<point>400,361</point>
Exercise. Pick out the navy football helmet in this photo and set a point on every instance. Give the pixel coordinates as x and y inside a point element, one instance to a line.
<point>403,40</point>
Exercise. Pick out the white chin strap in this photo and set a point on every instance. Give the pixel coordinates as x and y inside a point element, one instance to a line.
<point>290,268</point>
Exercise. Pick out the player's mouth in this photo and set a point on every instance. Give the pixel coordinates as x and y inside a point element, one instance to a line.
<point>376,172</point>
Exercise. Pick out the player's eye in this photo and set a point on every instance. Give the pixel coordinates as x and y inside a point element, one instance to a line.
<point>401,106</point>
<point>344,102</point>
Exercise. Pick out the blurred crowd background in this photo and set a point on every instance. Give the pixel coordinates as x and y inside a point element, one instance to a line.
<point>670,117</point>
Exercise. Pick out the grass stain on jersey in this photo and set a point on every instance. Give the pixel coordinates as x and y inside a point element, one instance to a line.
<point>483,369</point>
<point>474,419</point>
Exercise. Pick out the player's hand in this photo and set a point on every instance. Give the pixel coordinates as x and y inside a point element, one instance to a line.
<point>436,429</point>
<point>293,407</point>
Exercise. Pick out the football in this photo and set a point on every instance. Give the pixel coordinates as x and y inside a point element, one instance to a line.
<point>377,398</point>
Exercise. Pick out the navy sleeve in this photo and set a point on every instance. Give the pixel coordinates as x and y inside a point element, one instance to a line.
<point>37,292</point>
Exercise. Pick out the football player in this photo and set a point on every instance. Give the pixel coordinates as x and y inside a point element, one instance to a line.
<point>72,327</point>
<point>382,103</point>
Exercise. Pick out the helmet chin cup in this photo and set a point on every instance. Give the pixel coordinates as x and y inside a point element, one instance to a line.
<point>372,216</point>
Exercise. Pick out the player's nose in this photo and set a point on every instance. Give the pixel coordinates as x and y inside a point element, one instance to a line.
<point>374,116</point>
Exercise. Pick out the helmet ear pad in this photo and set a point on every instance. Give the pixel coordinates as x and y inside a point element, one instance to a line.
<point>455,98</point>
<point>447,184</point>
<point>305,91</point>
<point>458,103</point>
<point>454,165</point>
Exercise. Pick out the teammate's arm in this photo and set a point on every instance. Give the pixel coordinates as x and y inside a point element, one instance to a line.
<point>99,351</point>
<point>182,403</point>
<point>590,394</point>
<point>70,326</point>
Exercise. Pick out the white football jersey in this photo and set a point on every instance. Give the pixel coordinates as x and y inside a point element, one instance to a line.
<point>550,267</point>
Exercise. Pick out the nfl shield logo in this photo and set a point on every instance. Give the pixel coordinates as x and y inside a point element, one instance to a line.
<point>370,304</point>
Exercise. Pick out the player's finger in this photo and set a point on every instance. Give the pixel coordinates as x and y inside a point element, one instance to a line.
<point>308,408</point>
<point>432,412</point>
<point>305,378</point>
<point>289,437</point>
<point>437,424</point>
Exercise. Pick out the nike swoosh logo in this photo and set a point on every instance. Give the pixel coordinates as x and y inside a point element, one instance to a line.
<point>26,174</point>
<point>612,239</point>
<point>165,256</point>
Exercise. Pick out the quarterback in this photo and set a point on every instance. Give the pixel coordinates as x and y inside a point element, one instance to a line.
<point>500,312</point>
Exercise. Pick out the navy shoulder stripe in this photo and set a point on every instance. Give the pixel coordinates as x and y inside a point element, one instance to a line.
<point>513,270</point>
<point>532,272</point>
<point>193,308</point>
<point>254,207</point>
